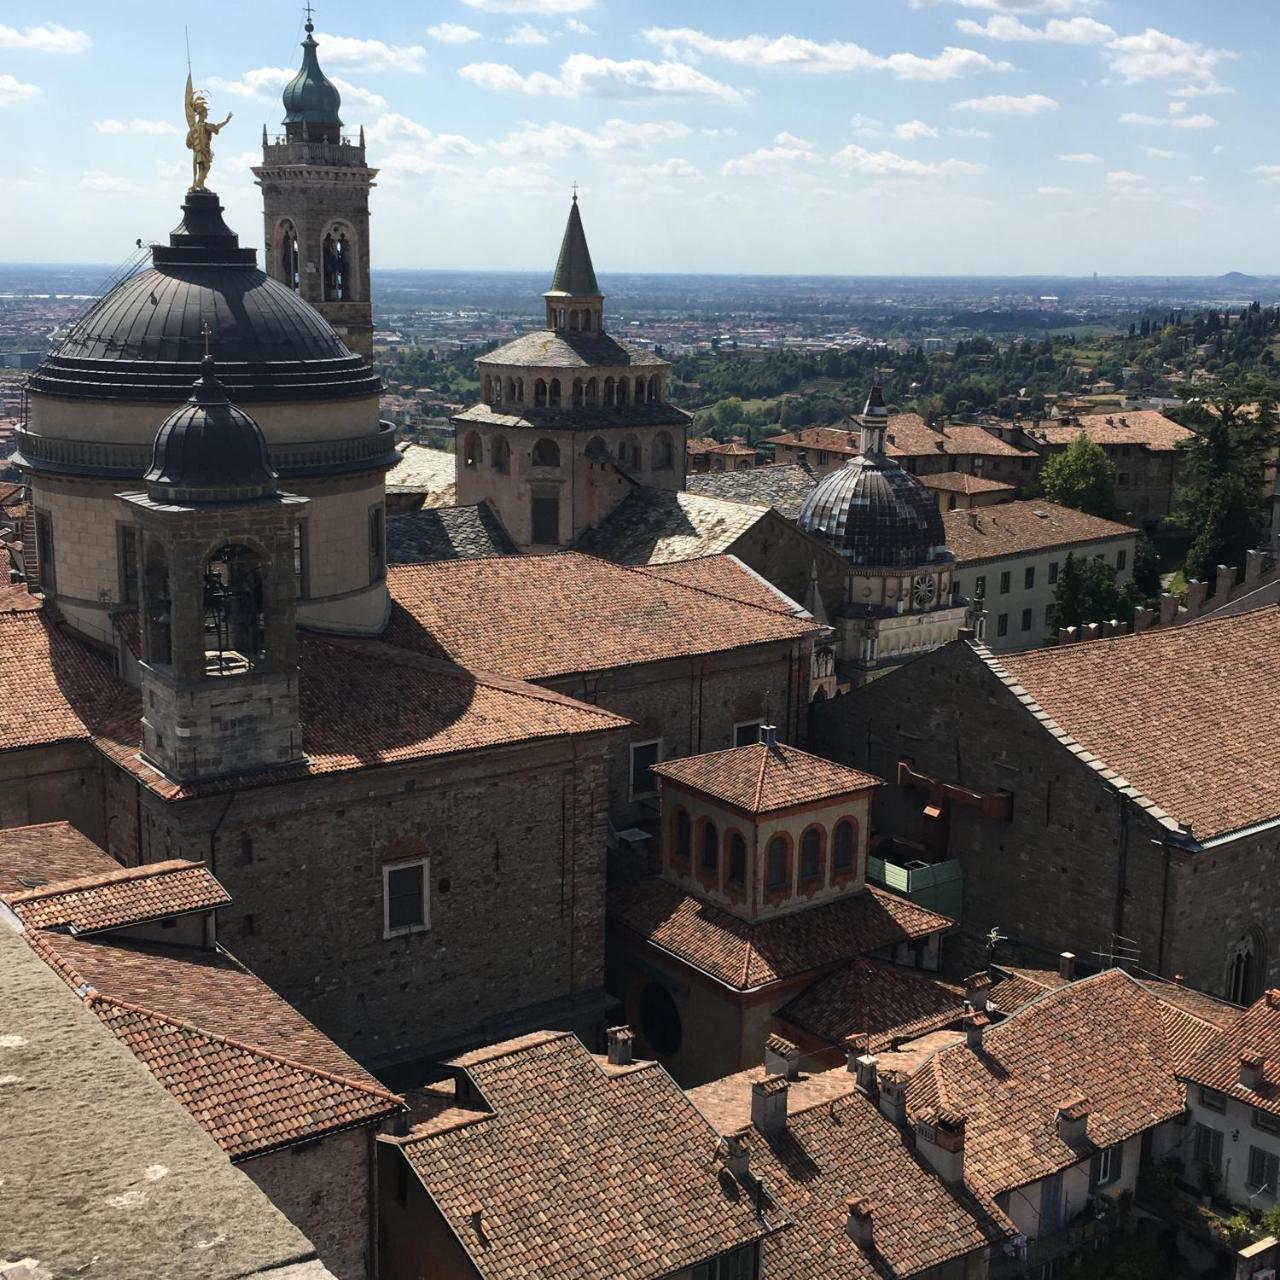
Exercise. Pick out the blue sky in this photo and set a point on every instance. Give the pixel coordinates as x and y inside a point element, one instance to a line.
<point>826,136</point>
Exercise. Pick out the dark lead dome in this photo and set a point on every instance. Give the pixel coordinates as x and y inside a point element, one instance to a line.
<point>145,339</point>
<point>876,514</point>
<point>310,97</point>
<point>208,450</point>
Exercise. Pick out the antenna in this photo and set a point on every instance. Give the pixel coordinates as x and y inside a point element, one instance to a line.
<point>186,35</point>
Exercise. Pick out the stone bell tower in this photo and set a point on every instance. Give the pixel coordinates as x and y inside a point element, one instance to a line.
<point>215,539</point>
<point>315,198</point>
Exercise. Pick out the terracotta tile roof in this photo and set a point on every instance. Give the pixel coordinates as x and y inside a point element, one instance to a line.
<point>909,436</point>
<point>840,440</point>
<point>727,576</point>
<point>726,1102</point>
<point>446,533</point>
<point>15,598</point>
<point>577,1171</point>
<point>1144,427</point>
<point>837,1144</point>
<point>179,1010</point>
<point>656,526</point>
<point>1255,1035</point>
<point>743,955</point>
<point>1101,1037</point>
<point>760,779</point>
<point>120,898</point>
<point>1022,986</point>
<point>47,852</point>
<point>535,617</point>
<point>784,487</point>
<point>1014,528</point>
<point>961,482</point>
<point>877,998</point>
<point>1184,715</point>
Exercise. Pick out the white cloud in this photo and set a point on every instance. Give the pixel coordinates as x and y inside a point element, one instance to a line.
<point>453,33</point>
<point>1174,120</point>
<point>582,75</point>
<point>48,37</point>
<point>970,133</point>
<point>527,33</point>
<point>914,131</point>
<point>1159,153</point>
<point>154,128</point>
<point>1038,8</point>
<point>1030,104</point>
<point>612,137</point>
<point>1079,157</point>
<point>13,90</point>
<point>1155,55</point>
<point>393,128</point>
<point>1056,30</point>
<point>370,55</point>
<point>267,82</point>
<point>579,28</point>
<point>787,152</point>
<point>547,8</point>
<point>856,159</point>
<point>354,95</point>
<point>100,180</point>
<point>1053,191</point>
<point>795,53</point>
<point>1266,173</point>
<point>1124,178</point>
<point>676,169</point>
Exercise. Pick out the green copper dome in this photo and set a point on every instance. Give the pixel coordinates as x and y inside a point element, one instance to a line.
<point>310,97</point>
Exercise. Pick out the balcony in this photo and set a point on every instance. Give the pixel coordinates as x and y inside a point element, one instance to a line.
<point>1080,1237</point>
<point>347,154</point>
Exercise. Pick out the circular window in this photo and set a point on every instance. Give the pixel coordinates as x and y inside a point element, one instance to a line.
<point>445,885</point>
<point>660,1019</point>
<point>924,591</point>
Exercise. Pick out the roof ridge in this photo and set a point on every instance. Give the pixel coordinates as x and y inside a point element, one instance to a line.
<point>703,591</point>
<point>765,758</point>
<point>95,997</point>
<point>104,880</point>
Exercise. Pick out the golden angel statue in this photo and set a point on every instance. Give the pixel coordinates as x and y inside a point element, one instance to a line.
<point>200,135</point>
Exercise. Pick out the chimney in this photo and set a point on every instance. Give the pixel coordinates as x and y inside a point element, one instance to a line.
<point>1252,1066</point>
<point>893,1094</point>
<point>620,1044</point>
<point>737,1156</point>
<point>781,1058</point>
<point>1067,966</point>
<point>866,1067</point>
<point>972,513</point>
<point>940,1141</point>
<point>977,990</point>
<point>1073,1119</point>
<point>769,1105</point>
<point>1272,998</point>
<point>769,735</point>
<point>858,1224</point>
<point>975,1025</point>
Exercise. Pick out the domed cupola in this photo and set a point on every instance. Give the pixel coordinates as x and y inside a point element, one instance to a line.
<point>209,450</point>
<point>311,100</point>
<point>872,511</point>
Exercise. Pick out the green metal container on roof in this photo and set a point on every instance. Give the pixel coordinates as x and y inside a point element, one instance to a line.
<point>310,97</point>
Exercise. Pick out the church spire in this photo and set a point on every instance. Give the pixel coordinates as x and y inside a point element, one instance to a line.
<point>311,100</point>
<point>574,301</point>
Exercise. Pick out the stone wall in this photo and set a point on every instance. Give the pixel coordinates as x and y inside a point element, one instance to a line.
<point>52,783</point>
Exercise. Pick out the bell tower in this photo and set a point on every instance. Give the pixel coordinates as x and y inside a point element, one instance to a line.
<point>315,199</point>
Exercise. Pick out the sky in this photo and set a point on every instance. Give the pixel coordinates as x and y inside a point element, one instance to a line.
<point>842,137</point>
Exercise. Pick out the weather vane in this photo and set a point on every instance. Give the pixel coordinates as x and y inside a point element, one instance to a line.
<point>200,131</point>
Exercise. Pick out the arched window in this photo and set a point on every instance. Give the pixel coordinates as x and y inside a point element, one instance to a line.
<point>1246,968</point>
<point>591,391</point>
<point>586,321</point>
<point>560,318</point>
<point>664,453</point>
<point>497,389</point>
<point>337,266</point>
<point>234,626</point>
<point>682,841</point>
<point>573,321</point>
<point>811,855</point>
<point>597,451</point>
<point>500,452</point>
<point>553,393</point>
<point>158,604</point>
<point>844,852</point>
<point>540,393</point>
<point>519,391</point>
<point>511,390</point>
<point>546,453</point>
<point>487,392</point>
<point>622,391</point>
<point>737,860</point>
<point>639,391</point>
<point>287,254</point>
<point>473,450</point>
<point>577,392</point>
<point>629,453</point>
<point>653,389</point>
<point>610,391</point>
<point>777,874</point>
<point>710,852</point>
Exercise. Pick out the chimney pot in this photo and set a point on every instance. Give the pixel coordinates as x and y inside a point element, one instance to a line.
<point>1273,998</point>
<point>769,735</point>
<point>893,1095</point>
<point>977,990</point>
<point>866,1068</point>
<point>781,1058</point>
<point>769,1104</point>
<point>1073,1119</point>
<point>858,1221</point>
<point>975,1026</point>
<point>1252,1066</point>
<point>1067,966</point>
<point>940,1140</point>
<point>620,1046</point>
<point>737,1158</point>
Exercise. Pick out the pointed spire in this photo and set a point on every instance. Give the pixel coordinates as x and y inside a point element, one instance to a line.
<point>575,276</point>
<point>813,601</point>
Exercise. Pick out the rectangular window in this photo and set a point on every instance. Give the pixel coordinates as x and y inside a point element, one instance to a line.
<point>1208,1147</point>
<point>1026,619</point>
<point>546,521</point>
<point>1053,571</point>
<point>1264,1171</point>
<point>644,755</point>
<point>377,545</point>
<point>404,897</point>
<point>1006,579</point>
<point>128,564</point>
<point>44,551</point>
<point>1122,559</point>
<point>300,559</point>
<point>746,733</point>
<point>1029,577</point>
<point>979,587</point>
<point>1213,1100</point>
<point>1109,1160</point>
<point>1002,625</point>
<point>1267,1121</point>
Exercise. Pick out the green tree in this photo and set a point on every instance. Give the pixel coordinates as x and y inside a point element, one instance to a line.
<point>1087,592</point>
<point>1146,568</point>
<point>1083,477</point>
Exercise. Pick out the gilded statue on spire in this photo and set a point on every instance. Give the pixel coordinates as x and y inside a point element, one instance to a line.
<point>200,135</point>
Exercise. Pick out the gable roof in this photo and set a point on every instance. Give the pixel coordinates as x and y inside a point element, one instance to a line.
<point>759,778</point>
<point>571,1168</point>
<point>963,482</point>
<point>909,436</point>
<point>1255,1034</point>
<point>535,617</point>
<point>1015,528</point>
<point>46,852</point>
<point>784,486</point>
<point>841,440</point>
<point>1184,717</point>
<point>727,576</point>
<point>446,533</point>
<point>742,955</point>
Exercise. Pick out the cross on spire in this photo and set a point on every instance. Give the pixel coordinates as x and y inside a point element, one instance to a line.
<point>575,193</point>
<point>204,329</point>
<point>309,11</point>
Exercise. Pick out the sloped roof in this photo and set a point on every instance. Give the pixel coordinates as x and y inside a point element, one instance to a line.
<point>840,440</point>
<point>1255,1033</point>
<point>784,487</point>
<point>47,852</point>
<point>909,436</point>
<point>1145,427</point>
<point>535,617</point>
<point>1015,528</point>
<point>727,576</point>
<point>574,274</point>
<point>743,955</point>
<point>575,1169</point>
<point>422,470</point>
<point>446,533</point>
<point>1022,986</point>
<point>562,349</point>
<point>1184,715</point>
<point>962,482</point>
<point>760,779</point>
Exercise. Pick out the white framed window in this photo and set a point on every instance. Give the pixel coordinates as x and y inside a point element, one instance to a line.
<point>1109,1164</point>
<point>405,902</point>
<point>644,755</point>
<point>746,733</point>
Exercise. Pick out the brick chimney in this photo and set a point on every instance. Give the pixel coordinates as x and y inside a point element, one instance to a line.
<point>769,1105</point>
<point>1073,1119</point>
<point>620,1045</point>
<point>1252,1066</point>
<point>781,1058</point>
<point>893,1094</point>
<point>975,1026</point>
<point>1067,966</point>
<point>940,1140</point>
<point>858,1223</point>
<point>977,990</point>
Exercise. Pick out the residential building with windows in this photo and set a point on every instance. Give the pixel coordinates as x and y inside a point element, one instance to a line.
<point>960,491</point>
<point>958,447</point>
<point>1009,557</point>
<point>820,450</point>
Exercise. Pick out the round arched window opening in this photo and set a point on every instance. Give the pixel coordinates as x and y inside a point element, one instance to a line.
<point>288,254</point>
<point>158,604</point>
<point>546,453</point>
<point>234,625</point>
<point>336,256</point>
<point>660,1020</point>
